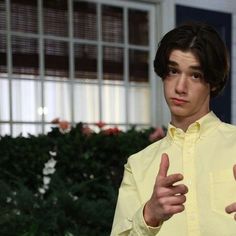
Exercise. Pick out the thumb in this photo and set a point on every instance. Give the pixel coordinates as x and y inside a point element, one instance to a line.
<point>164,165</point>
<point>234,171</point>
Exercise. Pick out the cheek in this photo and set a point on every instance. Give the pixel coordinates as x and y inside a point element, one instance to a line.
<point>202,95</point>
<point>166,92</point>
<point>166,88</point>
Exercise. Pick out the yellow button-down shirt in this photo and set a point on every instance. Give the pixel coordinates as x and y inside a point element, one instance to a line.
<point>205,155</point>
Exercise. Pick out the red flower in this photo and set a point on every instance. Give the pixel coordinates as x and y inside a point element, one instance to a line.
<point>86,130</point>
<point>100,124</point>
<point>64,125</point>
<point>112,131</point>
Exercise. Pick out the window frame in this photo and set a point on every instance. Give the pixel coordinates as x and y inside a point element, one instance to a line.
<point>154,83</point>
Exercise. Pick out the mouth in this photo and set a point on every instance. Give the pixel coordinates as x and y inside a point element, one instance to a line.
<point>178,101</point>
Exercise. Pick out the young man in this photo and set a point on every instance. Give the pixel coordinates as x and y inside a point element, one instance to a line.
<point>184,184</point>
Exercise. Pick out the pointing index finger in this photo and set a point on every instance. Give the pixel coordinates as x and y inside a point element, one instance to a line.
<point>234,171</point>
<point>164,165</point>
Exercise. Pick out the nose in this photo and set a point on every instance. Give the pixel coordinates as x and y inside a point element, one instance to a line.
<point>181,84</point>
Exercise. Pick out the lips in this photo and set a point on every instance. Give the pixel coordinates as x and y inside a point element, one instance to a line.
<point>178,101</point>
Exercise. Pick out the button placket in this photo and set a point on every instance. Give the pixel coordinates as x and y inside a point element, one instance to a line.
<point>189,176</point>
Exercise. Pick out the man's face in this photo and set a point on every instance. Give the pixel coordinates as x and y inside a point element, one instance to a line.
<point>186,92</point>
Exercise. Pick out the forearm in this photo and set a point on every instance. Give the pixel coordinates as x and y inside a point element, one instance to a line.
<point>133,227</point>
<point>129,218</point>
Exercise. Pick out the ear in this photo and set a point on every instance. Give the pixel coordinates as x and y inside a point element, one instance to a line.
<point>213,89</point>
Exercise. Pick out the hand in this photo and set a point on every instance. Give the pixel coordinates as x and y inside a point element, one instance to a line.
<point>167,199</point>
<point>232,207</point>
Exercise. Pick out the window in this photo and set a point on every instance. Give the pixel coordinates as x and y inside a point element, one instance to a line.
<point>80,61</point>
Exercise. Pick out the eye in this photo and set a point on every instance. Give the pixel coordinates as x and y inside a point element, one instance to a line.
<point>197,75</point>
<point>172,71</point>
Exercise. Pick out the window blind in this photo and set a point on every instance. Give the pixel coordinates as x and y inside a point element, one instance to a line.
<point>56,58</point>
<point>25,55</point>
<point>138,66</point>
<point>85,61</point>
<point>85,20</point>
<point>24,16</point>
<point>3,54</point>
<point>138,27</point>
<point>112,24</point>
<point>2,15</point>
<point>55,17</point>
<point>113,58</point>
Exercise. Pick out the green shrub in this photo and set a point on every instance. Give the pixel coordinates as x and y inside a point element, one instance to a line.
<point>81,196</point>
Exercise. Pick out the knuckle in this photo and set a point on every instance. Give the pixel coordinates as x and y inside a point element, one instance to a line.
<point>168,210</point>
<point>162,202</point>
<point>183,198</point>
<point>159,193</point>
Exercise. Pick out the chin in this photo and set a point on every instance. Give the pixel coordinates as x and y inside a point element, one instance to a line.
<point>178,111</point>
<point>181,115</point>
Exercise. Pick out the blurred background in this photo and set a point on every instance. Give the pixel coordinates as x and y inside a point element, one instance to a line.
<point>90,61</point>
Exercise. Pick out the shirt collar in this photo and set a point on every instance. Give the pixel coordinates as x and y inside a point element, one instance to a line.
<point>202,126</point>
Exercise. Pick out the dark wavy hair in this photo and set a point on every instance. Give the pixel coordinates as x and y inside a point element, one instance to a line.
<point>205,43</point>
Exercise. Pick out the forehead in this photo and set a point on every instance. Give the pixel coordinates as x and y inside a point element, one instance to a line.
<point>180,57</point>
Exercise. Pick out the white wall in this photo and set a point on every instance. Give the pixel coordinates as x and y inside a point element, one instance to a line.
<point>228,6</point>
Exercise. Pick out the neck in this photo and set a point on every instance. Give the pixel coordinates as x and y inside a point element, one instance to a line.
<point>178,123</point>
<point>184,122</point>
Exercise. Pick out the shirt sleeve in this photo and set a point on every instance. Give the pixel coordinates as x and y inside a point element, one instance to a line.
<point>128,218</point>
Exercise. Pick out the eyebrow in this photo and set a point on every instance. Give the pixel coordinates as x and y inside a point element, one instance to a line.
<point>173,63</point>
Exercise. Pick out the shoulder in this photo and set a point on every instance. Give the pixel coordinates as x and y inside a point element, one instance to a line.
<point>147,155</point>
<point>227,130</point>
